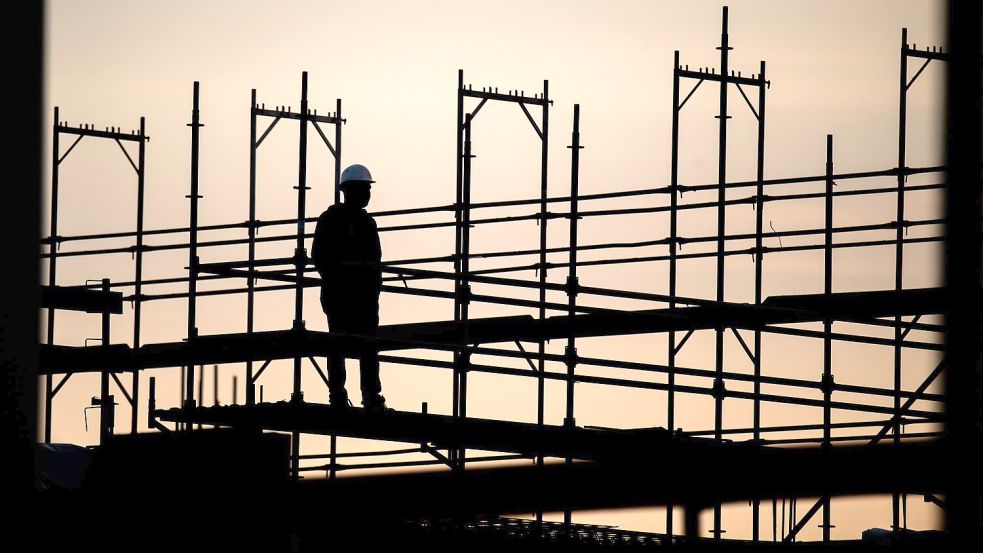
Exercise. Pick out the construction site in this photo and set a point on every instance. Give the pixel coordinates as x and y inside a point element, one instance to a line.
<point>736,362</point>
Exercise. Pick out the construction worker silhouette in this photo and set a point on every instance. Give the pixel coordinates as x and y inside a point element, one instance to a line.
<point>346,253</point>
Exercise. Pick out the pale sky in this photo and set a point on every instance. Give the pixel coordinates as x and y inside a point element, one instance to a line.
<point>833,67</point>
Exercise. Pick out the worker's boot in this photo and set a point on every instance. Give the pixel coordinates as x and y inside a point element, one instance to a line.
<point>339,399</point>
<point>375,403</point>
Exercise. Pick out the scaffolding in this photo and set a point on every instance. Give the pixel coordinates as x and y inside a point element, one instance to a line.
<point>447,438</point>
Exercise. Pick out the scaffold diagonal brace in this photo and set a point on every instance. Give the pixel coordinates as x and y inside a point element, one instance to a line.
<point>480,105</point>
<point>320,372</point>
<point>911,401</point>
<point>686,99</point>
<point>531,120</point>
<point>805,520</point>
<point>744,345</point>
<point>747,101</point>
<point>70,148</point>
<point>324,138</point>
<point>919,72</point>
<point>128,158</point>
<point>267,132</point>
<point>61,383</point>
<point>122,388</point>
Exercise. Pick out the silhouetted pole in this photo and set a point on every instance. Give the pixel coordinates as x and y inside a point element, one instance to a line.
<point>464,288</point>
<point>827,383</point>
<point>459,133</point>
<point>138,270</point>
<point>899,258</point>
<point>201,389</point>
<point>541,367</point>
<point>333,473</point>
<point>721,245</point>
<point>759,258</point>
<point>193,247</point>
<point>52,270</point>
<point>106,406</point>
<point>572,284</point>
<point>337,152</point>
<point>300,262</point>
<point>544,169</point>
<point>183,393</point>
<point>251,281</point>
<point>691,523</point>
<point>673,239</point>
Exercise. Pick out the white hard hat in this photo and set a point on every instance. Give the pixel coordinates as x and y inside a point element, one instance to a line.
<point>355,173</point>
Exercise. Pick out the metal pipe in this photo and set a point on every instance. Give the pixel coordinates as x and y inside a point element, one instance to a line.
<point>571,351</point>
<point>464,287</point>
<point>458,192</point>
<point>138,270</point>
<point>557,199</point>
<point>106,411</point>
<point>201,389</point>
<point>193,249</point>
<point>300,256</point>
<point>758,282</point>
<point>541,270</point>
<point>899,252</point>
<point>337,152</point>
<point>673,233</point>
<point>251,262</point>
<point>721,232</point>
<point>572,282</point>
<point>337,200</point>
<point>929,416</point>
<point>52,272</point>
<point>750,200</point>
<point>828,327</point>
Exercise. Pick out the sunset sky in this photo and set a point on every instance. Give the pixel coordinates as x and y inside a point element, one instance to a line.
<point>833,68</point>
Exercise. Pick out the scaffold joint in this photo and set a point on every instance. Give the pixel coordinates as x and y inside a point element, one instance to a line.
<point>719,389</point>
<point>827,384</point>
<point>463,293</point>
<point>572,287</point>
<point>570,356</point>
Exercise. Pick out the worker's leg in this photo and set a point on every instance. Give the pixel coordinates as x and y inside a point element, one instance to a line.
<point>336,359</point>
<point>336,377</point>
<point>369,352</point>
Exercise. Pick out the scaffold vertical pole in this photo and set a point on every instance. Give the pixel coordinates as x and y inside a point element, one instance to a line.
<point>189,395</point>
<point>138,271</point>
<point>673,245</point>
<point>721,245</point>
<point>828,324</point>
<point>464,292</point>
<point>759,258</point>
<point>300,262</point>
<point>251,280</point>
<point>899,258</point>
<point>572,284</point>
<point>52,270</point>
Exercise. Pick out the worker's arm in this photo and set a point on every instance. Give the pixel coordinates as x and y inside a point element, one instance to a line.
<point>322,247</point>
<point>377,255</point>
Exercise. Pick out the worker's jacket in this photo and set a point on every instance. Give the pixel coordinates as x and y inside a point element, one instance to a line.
<point>346,253</point>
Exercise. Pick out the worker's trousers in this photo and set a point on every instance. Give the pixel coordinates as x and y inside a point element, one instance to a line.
<point>354,314</point>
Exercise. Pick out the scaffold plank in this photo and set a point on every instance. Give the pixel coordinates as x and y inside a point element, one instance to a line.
<point>440,431</point>
<point>285,344</point>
